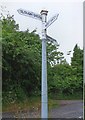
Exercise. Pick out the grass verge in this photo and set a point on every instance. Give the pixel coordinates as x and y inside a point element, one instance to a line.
<point>29,104</point>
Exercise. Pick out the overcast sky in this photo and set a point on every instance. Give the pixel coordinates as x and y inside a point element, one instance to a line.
<point>67,29</point>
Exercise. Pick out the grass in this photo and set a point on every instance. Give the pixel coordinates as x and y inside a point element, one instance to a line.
<point>31,103</point>
<point>26,104</point>
<point>52,103</point>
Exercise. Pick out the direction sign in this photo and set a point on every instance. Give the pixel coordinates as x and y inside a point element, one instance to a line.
<point>52,40</point>
<point>29,14</point>
<point>51,21</point>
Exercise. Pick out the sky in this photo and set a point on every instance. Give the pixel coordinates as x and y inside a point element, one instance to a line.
<point>67,29</point>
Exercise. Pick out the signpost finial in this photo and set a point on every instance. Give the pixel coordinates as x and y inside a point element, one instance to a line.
<point>44,12</point>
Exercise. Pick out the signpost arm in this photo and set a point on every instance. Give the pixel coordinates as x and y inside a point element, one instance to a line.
<point>44,96</point>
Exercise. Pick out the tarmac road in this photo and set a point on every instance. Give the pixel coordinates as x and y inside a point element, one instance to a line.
<point>73,110</point>
<point>68,109</point>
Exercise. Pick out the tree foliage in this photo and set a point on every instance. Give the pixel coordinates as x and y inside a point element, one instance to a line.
<point>21,58</point>
<point>65,78</point>
<point>77,64</point>
<point>21,64</point>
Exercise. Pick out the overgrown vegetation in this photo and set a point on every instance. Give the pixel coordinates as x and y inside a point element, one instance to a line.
<point>21,66</point>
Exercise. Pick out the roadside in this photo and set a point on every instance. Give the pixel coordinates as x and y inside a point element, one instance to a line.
<point>66,108</point>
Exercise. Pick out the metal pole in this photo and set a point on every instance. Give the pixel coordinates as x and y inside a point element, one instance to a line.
<point>84,58</point>
<point>44,95</point>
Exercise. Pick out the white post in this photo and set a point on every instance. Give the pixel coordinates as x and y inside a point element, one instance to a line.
<point>44,95</point>
<point>83,58</point>
<point>45,25</point>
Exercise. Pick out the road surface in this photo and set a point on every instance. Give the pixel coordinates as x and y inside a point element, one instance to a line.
<point>73,110</point>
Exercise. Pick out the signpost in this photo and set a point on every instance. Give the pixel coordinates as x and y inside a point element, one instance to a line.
<point>29,14</point>
<point>53,19</point>
<point>45,25</point>
<point>52,40</point>
<point>44,93</point>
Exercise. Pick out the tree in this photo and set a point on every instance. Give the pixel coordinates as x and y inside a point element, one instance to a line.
<point>21,60</point>
<point>77,59</point>
<point>65,78</point>
<point>62,79</point>
<point>54,56</point>
<point>77,64</point>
